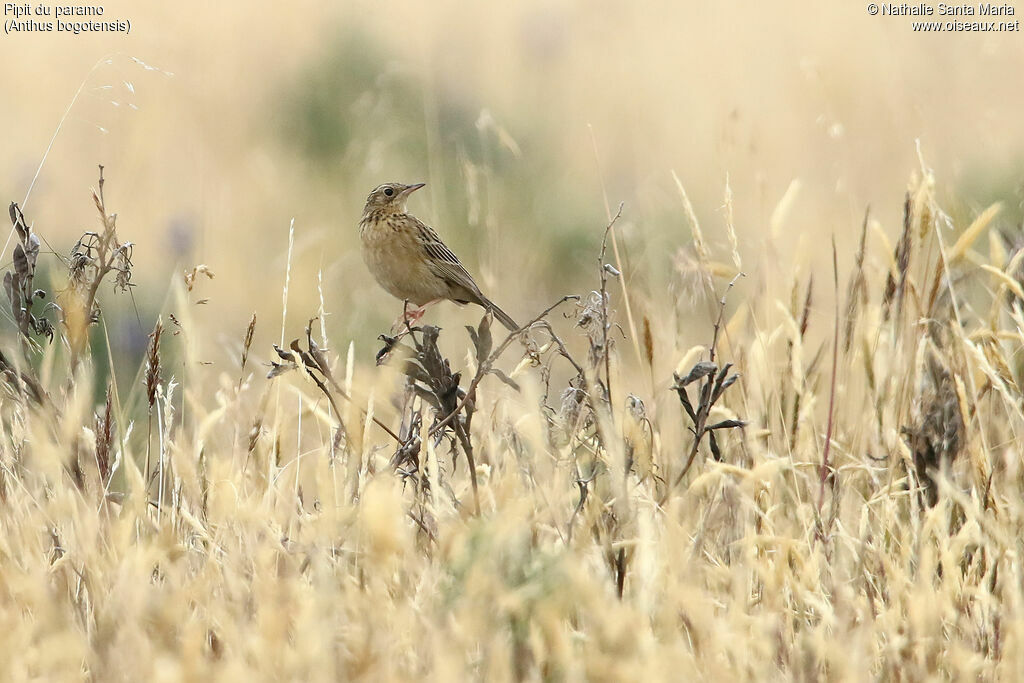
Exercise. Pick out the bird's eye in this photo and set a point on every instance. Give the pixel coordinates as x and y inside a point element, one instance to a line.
<point>388,191</point>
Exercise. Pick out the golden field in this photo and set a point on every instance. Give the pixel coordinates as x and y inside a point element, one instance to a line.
<point>191,504</point>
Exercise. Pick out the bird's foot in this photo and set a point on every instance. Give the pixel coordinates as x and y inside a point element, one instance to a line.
<point>410,317</point>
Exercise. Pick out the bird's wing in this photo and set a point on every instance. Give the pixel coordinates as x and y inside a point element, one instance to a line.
<point>443,262</point>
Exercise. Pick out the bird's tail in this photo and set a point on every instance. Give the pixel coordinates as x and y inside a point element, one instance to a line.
<point>501,315</point>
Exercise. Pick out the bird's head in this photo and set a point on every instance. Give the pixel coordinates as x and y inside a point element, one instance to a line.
<point>390,197</point>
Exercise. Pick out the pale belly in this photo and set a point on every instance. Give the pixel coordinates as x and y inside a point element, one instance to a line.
<point>397,263</point>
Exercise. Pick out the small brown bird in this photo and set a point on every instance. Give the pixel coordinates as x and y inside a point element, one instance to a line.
<point>410,261</point>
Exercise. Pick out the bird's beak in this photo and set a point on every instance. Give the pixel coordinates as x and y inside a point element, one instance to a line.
<point>411,188</point>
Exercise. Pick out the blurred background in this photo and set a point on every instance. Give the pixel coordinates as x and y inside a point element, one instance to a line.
<point>220,123</point>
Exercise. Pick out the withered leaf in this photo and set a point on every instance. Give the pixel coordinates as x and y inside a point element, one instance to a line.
<point>284,355</point>
<point>699,371</point>
<point>716,452</point>
<point>33,249</point>
<point>483,341</point>
<point>278,369</point>
<point>505,378</point>
<point>21,263</point>
<point>728,424</point>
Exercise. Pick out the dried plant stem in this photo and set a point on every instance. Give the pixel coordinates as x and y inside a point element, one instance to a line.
<point>467,447</point>
<point>485,366</point>
<point>634,336</point>
<point>287,278</point>
<point>149,451</point>
<point>605,324</point>
<point>161,461</point>
<point>345,395</point>
<point>832,385</point>
<point>714,382</point>
<point>284,315</point>
<point>94,257</point>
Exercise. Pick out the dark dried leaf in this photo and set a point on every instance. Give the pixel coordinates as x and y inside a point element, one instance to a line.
<point>427,395</point>
<point>728,424</point>
<point>483,340</point>
<point>18,221</point>
<point>317,354</point>
<point>17,305</point>
<point>385,351</point>
<point>699,371</point>
<point>32,250</point>
<point>684,398</point>
<point>278,369</point>
<point>21,267</point>
<point>716,452</point>
<point>283,355</point>
<point>505,378</point>
<point>720,387</point>
<point>415,370</point>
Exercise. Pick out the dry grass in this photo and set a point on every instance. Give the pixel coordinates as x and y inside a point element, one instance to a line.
<point>324,523</point>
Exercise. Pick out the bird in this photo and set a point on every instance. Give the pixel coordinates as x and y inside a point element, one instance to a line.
<point>408,259</point>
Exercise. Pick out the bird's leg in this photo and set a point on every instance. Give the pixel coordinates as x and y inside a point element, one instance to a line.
<point>411,316</point>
